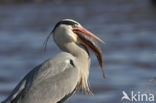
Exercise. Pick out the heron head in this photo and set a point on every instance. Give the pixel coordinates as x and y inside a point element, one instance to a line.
<point>68,30</point>
<point>63,31</point>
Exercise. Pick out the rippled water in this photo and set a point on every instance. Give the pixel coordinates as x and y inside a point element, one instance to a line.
<point>127,26</point>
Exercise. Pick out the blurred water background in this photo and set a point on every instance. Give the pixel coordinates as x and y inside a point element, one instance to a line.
<point>127,26</point>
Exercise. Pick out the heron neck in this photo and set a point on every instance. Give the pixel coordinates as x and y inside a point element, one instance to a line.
<point>82,58</point>
<point>82,62</point>
<point>78,51</point>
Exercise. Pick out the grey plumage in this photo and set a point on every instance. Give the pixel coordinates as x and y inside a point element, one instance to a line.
<point>44,84</point>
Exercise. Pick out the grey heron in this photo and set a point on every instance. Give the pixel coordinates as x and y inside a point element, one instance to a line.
<point>56,79</point>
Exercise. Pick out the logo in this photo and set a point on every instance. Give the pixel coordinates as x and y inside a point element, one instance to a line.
<point>137,97</point>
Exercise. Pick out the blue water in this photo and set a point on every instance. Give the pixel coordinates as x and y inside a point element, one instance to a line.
<point>127,27</point>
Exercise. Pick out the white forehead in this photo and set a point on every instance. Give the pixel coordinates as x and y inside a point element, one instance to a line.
<point>71,20</point>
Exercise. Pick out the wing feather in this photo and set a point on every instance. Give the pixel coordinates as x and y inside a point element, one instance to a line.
<point>51,82</point>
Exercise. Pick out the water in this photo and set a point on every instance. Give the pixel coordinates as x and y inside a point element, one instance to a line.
<point>127,26</point>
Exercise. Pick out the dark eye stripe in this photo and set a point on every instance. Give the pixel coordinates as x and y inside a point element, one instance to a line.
<point>64,22</point>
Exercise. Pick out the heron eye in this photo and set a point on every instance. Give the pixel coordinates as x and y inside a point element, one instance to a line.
<point>74,26</point>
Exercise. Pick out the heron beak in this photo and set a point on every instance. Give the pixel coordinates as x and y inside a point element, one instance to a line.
<point>86,38</point>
